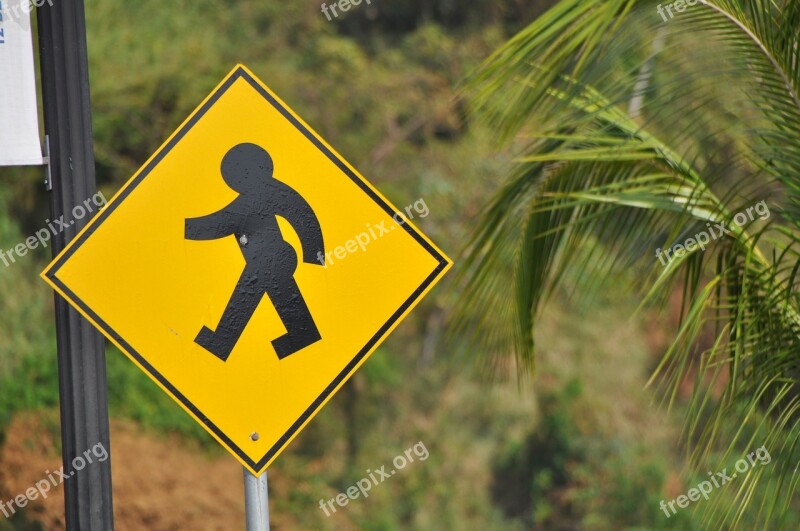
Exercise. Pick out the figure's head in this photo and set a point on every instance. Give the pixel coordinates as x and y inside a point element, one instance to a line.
<point>246,167</point>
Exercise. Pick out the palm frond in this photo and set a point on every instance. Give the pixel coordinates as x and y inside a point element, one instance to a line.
<point>597,189</point>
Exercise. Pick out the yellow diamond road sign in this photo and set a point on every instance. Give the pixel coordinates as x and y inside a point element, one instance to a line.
<point>248,269</point>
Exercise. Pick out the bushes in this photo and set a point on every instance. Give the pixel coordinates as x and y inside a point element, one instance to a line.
<point>569,473</point>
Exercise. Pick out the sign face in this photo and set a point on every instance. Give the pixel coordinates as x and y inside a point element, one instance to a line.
<point>19,117</point>
<point>248,269</point>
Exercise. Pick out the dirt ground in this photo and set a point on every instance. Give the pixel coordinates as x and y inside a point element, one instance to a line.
<point>158,483</point>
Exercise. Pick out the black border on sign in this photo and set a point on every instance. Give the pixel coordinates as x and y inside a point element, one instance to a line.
<point>235,75</point>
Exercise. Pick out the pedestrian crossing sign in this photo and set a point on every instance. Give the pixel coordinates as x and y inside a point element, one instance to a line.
<point>248,269</point>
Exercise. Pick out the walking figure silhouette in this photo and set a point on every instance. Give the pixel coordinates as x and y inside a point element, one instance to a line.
<point>270,261</point>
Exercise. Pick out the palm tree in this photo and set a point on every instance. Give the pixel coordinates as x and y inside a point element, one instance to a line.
<point>668,146</point>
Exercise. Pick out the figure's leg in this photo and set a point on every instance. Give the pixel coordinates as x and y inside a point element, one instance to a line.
<point>242,304</point>
<point>301,331</point>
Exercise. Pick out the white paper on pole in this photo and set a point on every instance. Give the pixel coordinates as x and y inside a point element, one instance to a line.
<point>19,117</point>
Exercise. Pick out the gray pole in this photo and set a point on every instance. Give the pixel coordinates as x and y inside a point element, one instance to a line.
<point>256,501</point>
<point>81,349</point>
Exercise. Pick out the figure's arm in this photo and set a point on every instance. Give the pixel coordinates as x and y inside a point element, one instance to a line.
<point>211,227</point>
<point>298,213</point>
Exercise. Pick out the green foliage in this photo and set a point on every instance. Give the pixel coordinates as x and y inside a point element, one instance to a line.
<point>31,385</point>
<point>28,369</point>
<point>564,476</point>
<point>400,18</point>
<point>19,521</point>
<point>133,395</point>
<point>626,144</point>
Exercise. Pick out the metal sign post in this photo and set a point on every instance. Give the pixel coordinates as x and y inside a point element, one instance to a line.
<point>71,179</point>
<point>256,500</point>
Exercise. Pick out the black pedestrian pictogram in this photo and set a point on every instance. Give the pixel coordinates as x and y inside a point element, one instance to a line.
<point>270,261</point>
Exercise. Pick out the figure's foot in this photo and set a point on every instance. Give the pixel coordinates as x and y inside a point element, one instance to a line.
<point>208,340</point>
<point>288,344</point>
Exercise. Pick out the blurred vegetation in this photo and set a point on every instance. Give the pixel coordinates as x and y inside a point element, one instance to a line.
<point>633,137</point>
<point>580,449</point>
